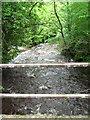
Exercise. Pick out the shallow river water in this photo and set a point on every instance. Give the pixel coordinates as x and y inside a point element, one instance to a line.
<point>45,80</point>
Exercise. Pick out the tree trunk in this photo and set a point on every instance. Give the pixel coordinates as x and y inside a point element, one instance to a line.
<point>68,19</point>
<point>61,27</point>
<point>32,8</point>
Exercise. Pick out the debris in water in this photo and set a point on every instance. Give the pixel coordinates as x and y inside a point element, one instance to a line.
<point>43,87</point>
<point>31,75</point>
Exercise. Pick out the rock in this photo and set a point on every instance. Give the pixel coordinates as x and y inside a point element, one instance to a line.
<point>31,75</point>
<point>43,87</point>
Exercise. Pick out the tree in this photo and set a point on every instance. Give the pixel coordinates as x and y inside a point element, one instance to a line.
<point>77,25</point>
<point>61,27</point>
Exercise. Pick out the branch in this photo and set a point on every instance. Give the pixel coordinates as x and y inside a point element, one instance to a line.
<point>61,27</point>
<point>85,91</point>
<point>44,95</point>
<point>45,65</point>
<point>32,8</point>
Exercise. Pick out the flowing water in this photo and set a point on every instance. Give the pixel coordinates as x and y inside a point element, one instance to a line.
<point>45,80</point>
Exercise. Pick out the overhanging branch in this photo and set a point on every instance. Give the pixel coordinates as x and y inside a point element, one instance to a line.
<point>61,27</point>
<point>32,8</point>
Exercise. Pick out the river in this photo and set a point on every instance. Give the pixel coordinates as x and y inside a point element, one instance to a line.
<point>44,80</point>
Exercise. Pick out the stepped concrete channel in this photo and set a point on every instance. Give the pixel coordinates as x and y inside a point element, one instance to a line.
<point>44,80</point>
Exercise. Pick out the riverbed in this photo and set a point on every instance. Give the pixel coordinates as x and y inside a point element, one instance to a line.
<point>45,80</point>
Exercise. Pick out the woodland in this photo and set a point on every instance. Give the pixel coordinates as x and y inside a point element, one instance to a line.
<point>28,24</point>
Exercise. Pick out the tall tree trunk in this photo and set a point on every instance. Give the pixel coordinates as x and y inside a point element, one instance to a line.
<point>68,19</point>
<point>32,8</point>
<point>61,27</point>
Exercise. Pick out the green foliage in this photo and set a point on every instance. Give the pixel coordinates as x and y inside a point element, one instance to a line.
<point>78,35</point>
<point>12,23</point>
